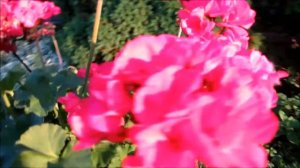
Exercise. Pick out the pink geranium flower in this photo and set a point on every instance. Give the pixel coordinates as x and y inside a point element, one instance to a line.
<point>16,17</point>
<point>223,18</point>
<point>166,145</point>
<point>91,120</point>
<point>232,133</point>
<point>191,99</point>
<point>195,23</point>
<point>217,94</point>
<point>30,12</point>
<point>9,25</point>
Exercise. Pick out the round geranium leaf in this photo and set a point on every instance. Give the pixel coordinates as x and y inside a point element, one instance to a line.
<point>40,144</point>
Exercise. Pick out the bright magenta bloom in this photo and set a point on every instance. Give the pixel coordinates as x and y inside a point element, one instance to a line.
<point>91,120</point>
<point>227,103</point>
<point>17,16</point>
<point>30,12</point>
<point>191,100</point>
<point>165,144</point>
<point>10,27</point>
<point>101,115</point>
<point>205,98</point>
<point>215,18</point>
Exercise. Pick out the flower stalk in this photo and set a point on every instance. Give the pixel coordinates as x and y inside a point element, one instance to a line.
<point>55,43</point>
<point>21,61</point>
<point>179,32</point>
<point>7,103</point>
<point>93,44</point>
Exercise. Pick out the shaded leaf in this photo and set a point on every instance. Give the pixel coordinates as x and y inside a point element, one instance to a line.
<point>294,137</point>
<point>66,80</point>
<point>38,93</point>
<point>10,78</point>
<point>103,153</point>
<point>11,129</point>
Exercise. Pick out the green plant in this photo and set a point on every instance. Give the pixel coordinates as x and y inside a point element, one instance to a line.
<point>121,21</point>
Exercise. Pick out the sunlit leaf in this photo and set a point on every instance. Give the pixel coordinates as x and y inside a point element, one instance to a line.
<point>41,144</point>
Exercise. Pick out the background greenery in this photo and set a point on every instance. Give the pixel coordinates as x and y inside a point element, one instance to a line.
<point>275,33</point>
<point>121,20</point>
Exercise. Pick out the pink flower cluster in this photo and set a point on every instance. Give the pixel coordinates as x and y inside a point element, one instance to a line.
<point>16,16</point>
<point>217,18</point>
<point>191,99</point>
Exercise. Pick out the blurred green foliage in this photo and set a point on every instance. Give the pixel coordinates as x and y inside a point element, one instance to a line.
<point>31,99</point>
<point>121,21</point>
<point>284,149</point>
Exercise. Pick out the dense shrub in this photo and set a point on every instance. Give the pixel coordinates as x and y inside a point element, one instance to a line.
<point>121,21</point>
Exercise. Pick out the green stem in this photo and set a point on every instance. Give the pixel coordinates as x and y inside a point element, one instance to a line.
<point>7,103</point>
<point>22,62</point>
<point>93,45</point>
<point>55,43</point>
<point>67,141</point>
<point>91,55</point>
<point>5,100</point>
<point>179,32</point>
<point>61,116</point>
<point>200,165</point>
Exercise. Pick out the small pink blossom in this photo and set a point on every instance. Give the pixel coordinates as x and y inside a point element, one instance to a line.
<point>9,25</point>
<point>204,18</point>
<point>30,12</point>
<point>91,120</point>
<point>17,17</point>
<point>195,23</point>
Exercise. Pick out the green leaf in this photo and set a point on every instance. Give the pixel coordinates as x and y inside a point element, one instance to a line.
<point>103,153</point>
<point>49,145</point>
<point>107,154</point>
<point>122,150</point>
<point>80,159</point>
<point>38,85</point>
<point>282,115</point>
<point>70,158</point>
<point>294,137</point>
<point>41,144</point>
<point>35,107</point>
<point>11,130</point>
<point>10,78</point>
<point>293,124</point>
<point>38,93</point>
<point>20,98</point>
<point>66,80</point>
